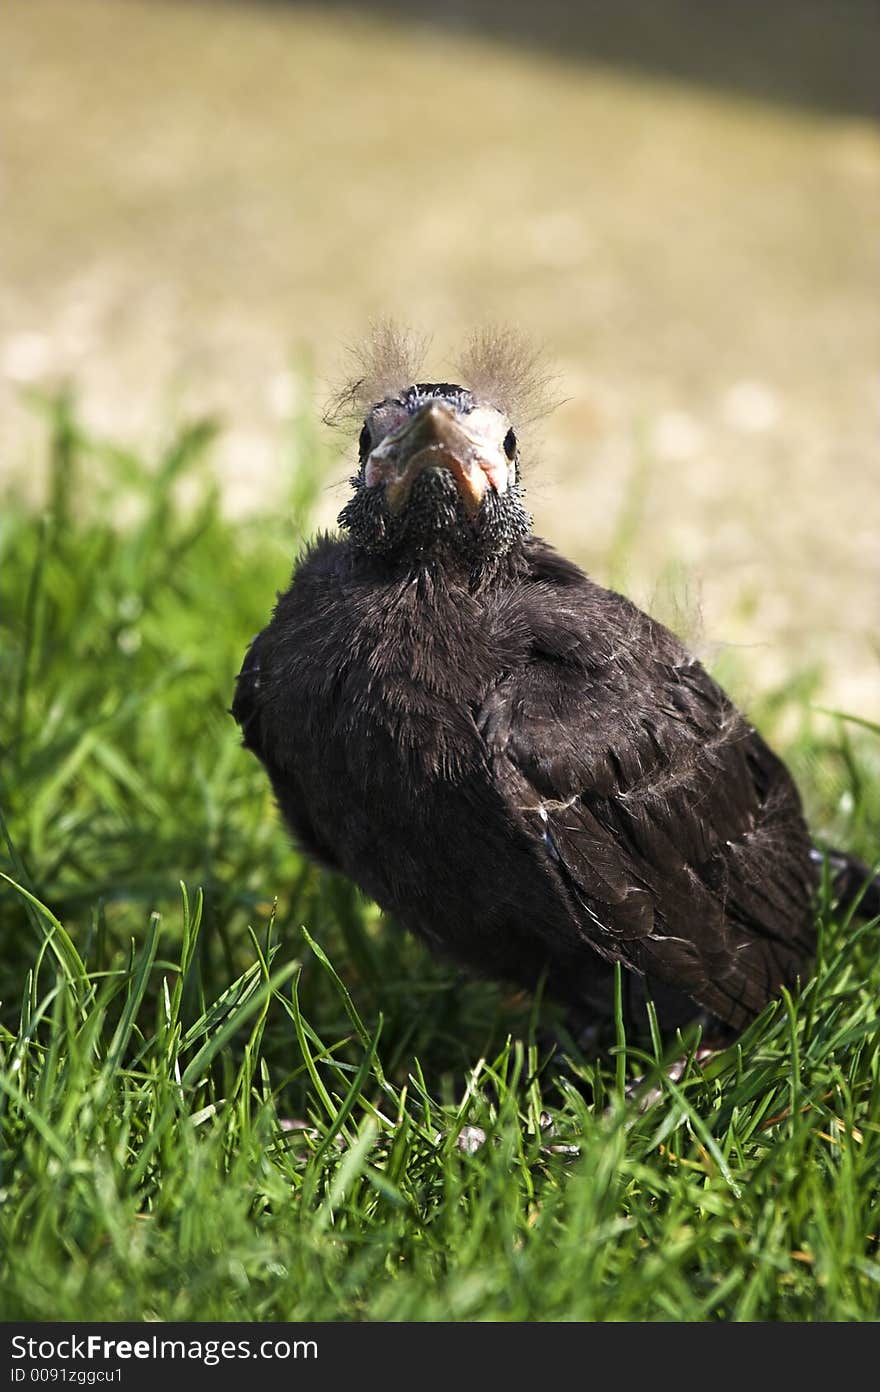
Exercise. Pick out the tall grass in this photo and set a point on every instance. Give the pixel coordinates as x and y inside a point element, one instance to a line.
<point>229,1090</point>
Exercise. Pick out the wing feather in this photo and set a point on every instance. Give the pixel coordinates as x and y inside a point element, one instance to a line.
<point>674,831</point>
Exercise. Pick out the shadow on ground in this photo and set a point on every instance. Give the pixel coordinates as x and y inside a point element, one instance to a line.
<point>802,52</point>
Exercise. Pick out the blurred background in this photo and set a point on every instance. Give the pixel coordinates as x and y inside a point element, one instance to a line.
<point>203,203</point>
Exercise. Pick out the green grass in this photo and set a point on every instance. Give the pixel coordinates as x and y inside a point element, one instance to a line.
<point>178,986</point>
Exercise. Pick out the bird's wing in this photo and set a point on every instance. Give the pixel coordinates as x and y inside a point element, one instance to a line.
<point>673,830</point>
<point>252,708</point>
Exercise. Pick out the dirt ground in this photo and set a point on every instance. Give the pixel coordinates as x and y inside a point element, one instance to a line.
<point>203,203</point>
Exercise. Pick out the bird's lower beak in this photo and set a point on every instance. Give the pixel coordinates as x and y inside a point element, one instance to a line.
<point>435,438</point>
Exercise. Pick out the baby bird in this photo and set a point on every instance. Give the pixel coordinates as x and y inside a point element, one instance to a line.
<point>520,766</point>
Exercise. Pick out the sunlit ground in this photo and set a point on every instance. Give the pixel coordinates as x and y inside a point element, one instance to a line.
<point>201,205</point>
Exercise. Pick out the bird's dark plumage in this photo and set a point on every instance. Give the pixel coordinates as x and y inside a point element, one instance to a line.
<point>525,769</point>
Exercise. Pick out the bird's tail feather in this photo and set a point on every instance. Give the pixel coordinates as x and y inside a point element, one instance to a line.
<point>854,885</point>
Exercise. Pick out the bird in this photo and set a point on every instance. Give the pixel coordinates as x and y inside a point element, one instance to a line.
<point>520,766</point>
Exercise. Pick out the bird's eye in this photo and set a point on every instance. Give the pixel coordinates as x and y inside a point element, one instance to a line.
<point>510,445</point>
<point>364,443</point>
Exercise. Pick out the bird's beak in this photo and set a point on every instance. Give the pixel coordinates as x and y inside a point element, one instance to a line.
<point>437,437</point>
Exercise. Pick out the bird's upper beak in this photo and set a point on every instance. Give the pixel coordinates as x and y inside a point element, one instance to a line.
<point>437,437</point>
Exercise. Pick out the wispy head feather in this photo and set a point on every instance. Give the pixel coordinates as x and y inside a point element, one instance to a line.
<point>499,365</point>
<point>503,369</point>
<point>387,362</point>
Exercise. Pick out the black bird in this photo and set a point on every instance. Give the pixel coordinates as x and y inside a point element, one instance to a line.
<point>522,767</point>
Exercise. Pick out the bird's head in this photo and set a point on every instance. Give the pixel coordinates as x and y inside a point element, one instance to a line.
<point>439,463</point>
<point>439,473</point>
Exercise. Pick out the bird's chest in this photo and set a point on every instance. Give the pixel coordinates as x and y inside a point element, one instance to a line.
<point>381,704</point>
<point>390,767</point>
